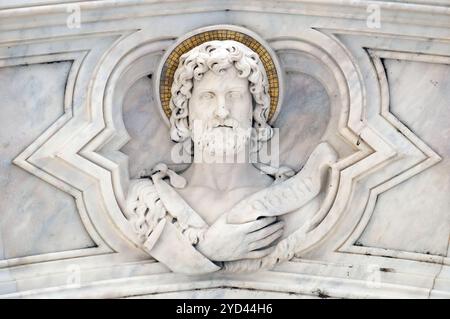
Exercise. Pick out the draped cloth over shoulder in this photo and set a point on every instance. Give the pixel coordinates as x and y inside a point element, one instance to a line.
<point>169,228</point>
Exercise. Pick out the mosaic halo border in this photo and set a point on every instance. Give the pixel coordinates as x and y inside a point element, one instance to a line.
<point>171,60</point>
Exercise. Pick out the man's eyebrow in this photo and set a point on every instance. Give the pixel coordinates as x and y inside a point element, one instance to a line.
<point>206,91</point>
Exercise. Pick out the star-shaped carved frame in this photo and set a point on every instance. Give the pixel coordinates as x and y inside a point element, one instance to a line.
<point>80,153</point>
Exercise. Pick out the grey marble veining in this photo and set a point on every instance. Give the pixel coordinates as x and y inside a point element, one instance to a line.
<point>36,218</point>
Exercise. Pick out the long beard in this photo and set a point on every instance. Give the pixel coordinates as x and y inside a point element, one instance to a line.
<point>220,138</point>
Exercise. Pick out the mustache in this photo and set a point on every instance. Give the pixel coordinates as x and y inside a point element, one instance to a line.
<point>228,122</point>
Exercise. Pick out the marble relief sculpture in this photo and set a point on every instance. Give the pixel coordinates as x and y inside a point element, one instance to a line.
<point>224,212</point>
<point>210,149</point>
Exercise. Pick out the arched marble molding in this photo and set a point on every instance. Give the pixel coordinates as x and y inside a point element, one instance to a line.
<point>410,156</point>
<point>105,106</point>
<point>420,157</point>
<point>403,21</point>
<point>17,18</point>
<point>135,56</point>
<point>351,126</point>
<point>32,163</point>
<point>61,156</point>
<point>135,65</point>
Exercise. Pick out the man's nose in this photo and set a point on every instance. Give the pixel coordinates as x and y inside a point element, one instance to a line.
<point>221,109</point>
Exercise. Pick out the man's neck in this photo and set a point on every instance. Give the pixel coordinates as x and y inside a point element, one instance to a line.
<point>222,176</point>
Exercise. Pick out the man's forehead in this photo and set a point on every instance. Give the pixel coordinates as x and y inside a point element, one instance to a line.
<point>227,80</point>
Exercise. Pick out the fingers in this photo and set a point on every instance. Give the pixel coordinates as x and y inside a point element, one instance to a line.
<point>265,241</point>
<point>258,224</point>
<point>264,232</point>
<point>260,253</point>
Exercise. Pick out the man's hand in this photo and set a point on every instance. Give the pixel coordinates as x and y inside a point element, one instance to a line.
<point>227,242</point>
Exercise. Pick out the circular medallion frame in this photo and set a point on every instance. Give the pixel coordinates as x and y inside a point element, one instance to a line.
<point>170,61</point>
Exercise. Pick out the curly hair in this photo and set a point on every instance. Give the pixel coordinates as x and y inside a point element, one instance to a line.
<point>218,56</point>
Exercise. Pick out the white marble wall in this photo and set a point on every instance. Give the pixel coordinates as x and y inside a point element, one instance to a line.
<point>37,218</point>
<point>414,216</point>
<point>78,118</point>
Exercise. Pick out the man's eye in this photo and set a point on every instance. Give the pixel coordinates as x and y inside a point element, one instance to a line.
<point>207,96</point>
<point>234,95</point>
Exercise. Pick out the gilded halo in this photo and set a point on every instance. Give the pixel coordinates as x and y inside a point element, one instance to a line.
<point>223,32</point>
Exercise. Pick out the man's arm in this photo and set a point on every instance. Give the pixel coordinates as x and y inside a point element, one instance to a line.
<point>174,250</point>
